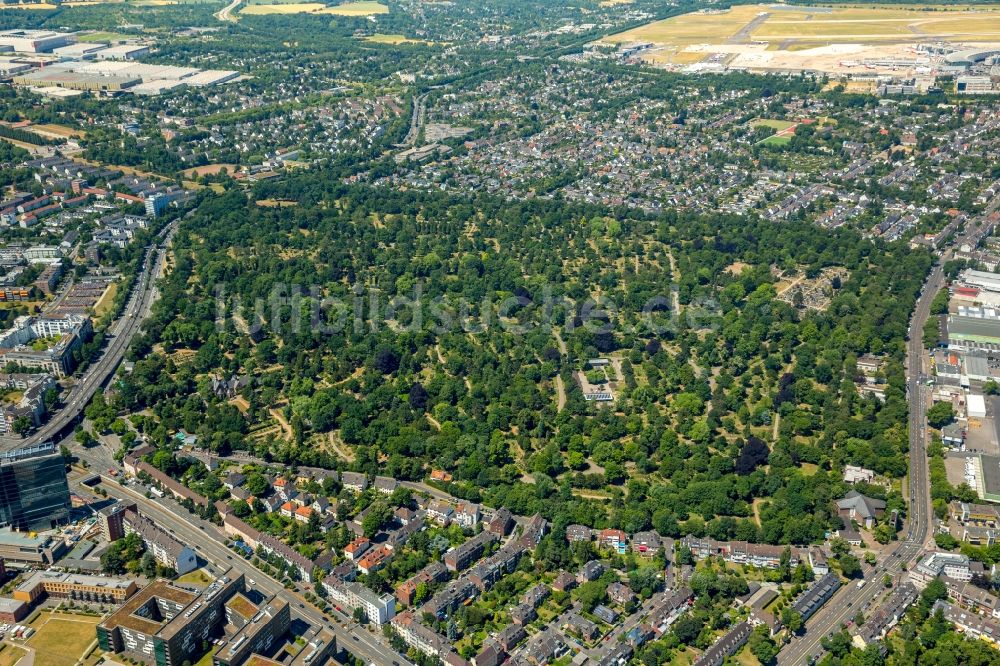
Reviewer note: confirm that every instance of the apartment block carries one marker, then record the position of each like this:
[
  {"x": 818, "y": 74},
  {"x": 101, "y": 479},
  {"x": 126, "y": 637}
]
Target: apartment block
[
  {"x": 165, "y": 625},
  {"x": 259, "y": 628},
  {"x": 167, "y": 550}
]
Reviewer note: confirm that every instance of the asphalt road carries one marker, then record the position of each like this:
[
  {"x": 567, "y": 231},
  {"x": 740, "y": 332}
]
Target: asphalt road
[
  {"x": 850, "y": 599},
  {"x": 120, "y": 335},
  {"x": 207, "y": 540},
  {"x": 227, "y": 13}
]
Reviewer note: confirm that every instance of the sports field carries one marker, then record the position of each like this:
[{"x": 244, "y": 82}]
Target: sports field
[
  {"x": 346, "y": 9},
  {"x": 682, "y": 39},
  {"x": 775, "y": 124}
]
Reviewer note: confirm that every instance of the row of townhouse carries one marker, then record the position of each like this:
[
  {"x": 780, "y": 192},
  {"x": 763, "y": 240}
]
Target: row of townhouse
[
  {"x": 972, "y": 597},
  {"x": 463, "y": 556},
  {"x": 970, "y": 624},
  {"x": 167, "y": 550},
  {"x": 887, "y": 615},
  {"x": 425, "y": 639},
  {"x": 255, "y": 539},
  {"x": 435, "y": 572},
  {"x": 135, "y": 465},
  {"x": 763, "y": 556},
  {"x": 741, "y": 552}
]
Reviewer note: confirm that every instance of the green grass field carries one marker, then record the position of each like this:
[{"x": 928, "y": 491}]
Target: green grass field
[
  {"x": 10, "y": 654},
  {"x": 776, "y": 140},
  {"x": 102, "y": 37},
  {"x": 777, "y": 125},
  {"x": 379, "y": 38},
  {"x": 61, "y": 639},
  {"x": 196, "y": 577}
]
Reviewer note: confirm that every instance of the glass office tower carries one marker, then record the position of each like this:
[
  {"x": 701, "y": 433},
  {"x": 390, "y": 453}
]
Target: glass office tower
[{"x": 34, "y": 493}]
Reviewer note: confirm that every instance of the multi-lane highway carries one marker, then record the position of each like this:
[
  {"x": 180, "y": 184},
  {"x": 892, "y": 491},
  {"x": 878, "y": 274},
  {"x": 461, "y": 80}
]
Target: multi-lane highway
[
  {"x": 228, "y": 13},
  {"x": 851, "y": 598},
  {"x": 120, "y": 335}
]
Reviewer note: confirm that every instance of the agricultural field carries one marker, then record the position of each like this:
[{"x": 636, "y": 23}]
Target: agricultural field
[
  {"x": 379, "y": 38},
  {"x": 56, "y": 131},
  {"x": 283, "y": 8},
  {"x": 765, "y": 33},
  {"x": 276, "y": 203},
  {"x": 208, "y": 170},
  {"x": 346, "y": 9},
  {"x": 357, "y": 9}
]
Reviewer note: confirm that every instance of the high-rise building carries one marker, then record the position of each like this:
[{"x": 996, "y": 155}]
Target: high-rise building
[
  {"x": 34, "y": 494},
  {"x": 156, "y": 204}
]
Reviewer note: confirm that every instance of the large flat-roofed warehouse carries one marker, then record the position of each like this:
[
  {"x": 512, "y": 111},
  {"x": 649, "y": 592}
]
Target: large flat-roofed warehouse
[
  {"x": 974, "y": 332},
  {"x": 122, "y": 52},
  {"x": 211, "y": 77},
  {"x": 79, "y": 50},
  {"x": 8, "y": 67},
  {"x": 166, "y": 625},
  {"x": 33, "y": 41},
  {"x": 51, "y": 78},
  {"x": 988, "y": 472},
  {"x": 134, "y": 69},
  {"x": 157, "y": 87},
  {"x": 981, "y": 279}
]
